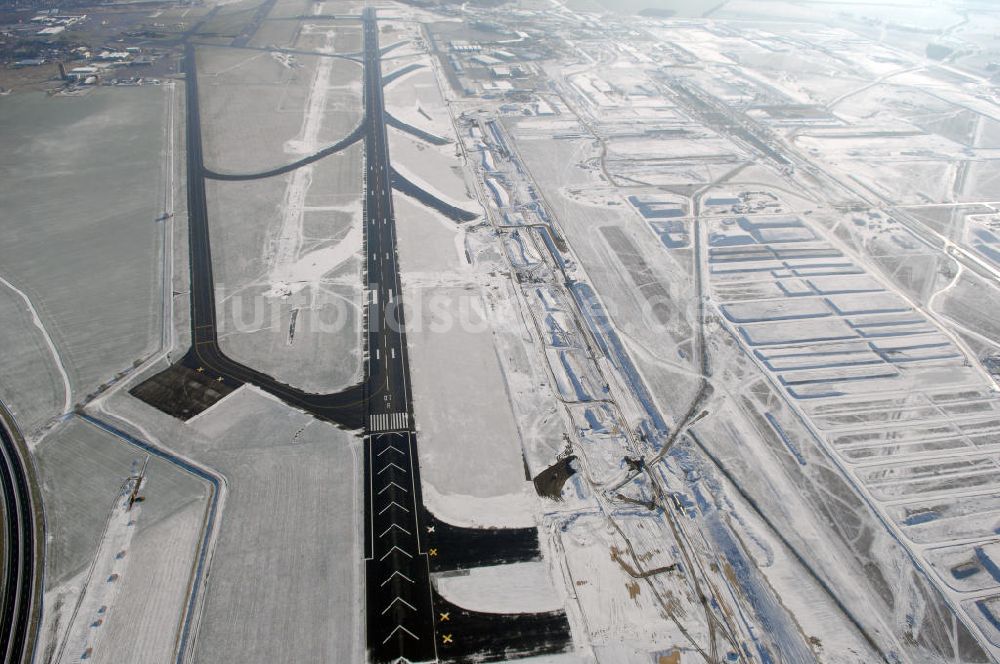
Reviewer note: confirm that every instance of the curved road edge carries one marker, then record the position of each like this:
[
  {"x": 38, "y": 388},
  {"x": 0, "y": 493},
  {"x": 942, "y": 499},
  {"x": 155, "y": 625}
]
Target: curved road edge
[
  {"x": 188, "y": 630},
  {"x": 356, "y": 135},
  {"x": 22, "y": 612}
]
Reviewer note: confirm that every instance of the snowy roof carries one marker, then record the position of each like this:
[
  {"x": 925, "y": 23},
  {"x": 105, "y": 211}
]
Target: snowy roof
[{"x": 486, "y": 60}]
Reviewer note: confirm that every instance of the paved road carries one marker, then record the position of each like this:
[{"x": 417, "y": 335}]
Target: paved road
[
  {"x": 400, "y": 610},
  {"x": 387, "y": 376},
  {"x": 18, "y": 606},
  {"x": 399, "y": 601},
  {"x": 344, "y": 407},
  {"x": 342, "y": 144}
]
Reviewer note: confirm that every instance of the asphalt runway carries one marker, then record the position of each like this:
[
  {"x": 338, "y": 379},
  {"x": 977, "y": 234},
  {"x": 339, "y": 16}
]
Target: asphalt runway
[
  {"x": 399, "y": 604},
  {"x": 344, "y": 408},
  {"x": 387, "y": 375},
  {"x": 399, "y": 544}
]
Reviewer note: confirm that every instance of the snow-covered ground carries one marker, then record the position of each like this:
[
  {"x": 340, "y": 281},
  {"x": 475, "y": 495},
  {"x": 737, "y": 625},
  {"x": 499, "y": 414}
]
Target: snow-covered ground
[
  {"x": 722, "y": 331},
  {"x": 287, "y": 248},
  {"x": 827, "y": 306}
]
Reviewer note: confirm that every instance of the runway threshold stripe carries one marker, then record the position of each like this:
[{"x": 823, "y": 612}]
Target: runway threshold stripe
[{"x": 388, "y": 421}]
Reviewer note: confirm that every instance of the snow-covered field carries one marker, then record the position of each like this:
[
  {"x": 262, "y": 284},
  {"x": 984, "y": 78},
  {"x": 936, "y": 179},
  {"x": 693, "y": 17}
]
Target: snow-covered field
[
  {"x": 890, "y": 392},
  {"x": 722, "y": 329},
  {"x": 114, "y": 576},
  {"x": 70, "y": 247},
  {"x": 287, "y": 247},
  {"x": 817, "y": 312}
]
